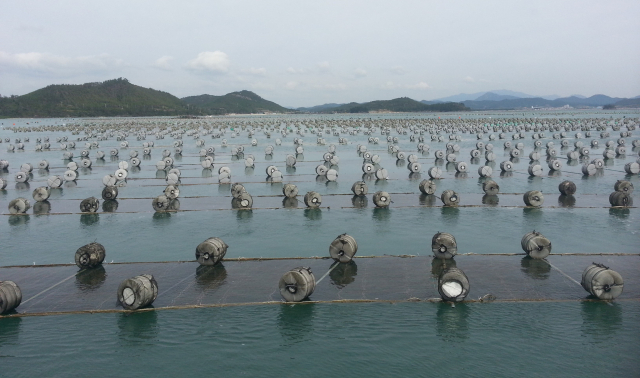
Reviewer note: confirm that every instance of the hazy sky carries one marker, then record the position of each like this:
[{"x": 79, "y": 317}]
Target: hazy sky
[{"x": 302, "y": 53}]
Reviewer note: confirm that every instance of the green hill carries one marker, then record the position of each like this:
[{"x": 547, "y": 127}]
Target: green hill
[
  {"x": 402, "y": 104},
  {"x": 115, "y": 97},
  {"x": 243, "y": 102}
]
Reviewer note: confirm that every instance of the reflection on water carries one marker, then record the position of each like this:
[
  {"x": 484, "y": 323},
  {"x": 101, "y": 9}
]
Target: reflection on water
[
  {"x": 43, "y": 207},
  {"x": 89, "y": 219},
  {"x": 451, "y": 322},
  {"x": 161, "y": 174},
  {"x": 450, "y": 214},
  {"x": 244, "y": 215},
  {"x": 415, "y": 176},
  {"x": 601, "y": 319},
  {"x": 439, "y": 265},
  {"x": 110, "y": 206},
  {"x": 506, "y": 174},
  {"x": 138, "y": 327},
  {"x": 248, "y": 171},
  {"x": 206, "y": 173},
  {"x": 381, "y": 184},
  {"x": 619, "y": 212},
  {"x": 313, "y": 214},
  {"x": 535, "y": 268},
  {"x": 209, "y": 277},
  {"x": 381, "y": 214},
  {"x": 295, "y": 322},
  {"x": 359, "y": 201},
  {"x": 532, "y": 215},
  {"x": 224, "y": 188},
  {"x": 161, "y": 217},
  {"x": 291, "y": 170},
  {"x": 18, "y": 219},
  {"x": 24, "y": 186},
  {"x": 566, "y": 200},
  {"x": 344, "y": 274},
  {"x": 427, "y": 199},
  {"x": 289, "y": 203},
  {"x": 91, "y": 279},
  {"x": 491, "y": 200},
  {"x": 9, "y": 331}
]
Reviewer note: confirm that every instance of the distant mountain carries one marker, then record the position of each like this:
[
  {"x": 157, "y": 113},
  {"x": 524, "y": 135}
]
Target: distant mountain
[
  {"x": 474, "y": 96},
  {"x": 115, "y": 97},
  {"x": 593, "y": 101},
  {"x": 628, "y": 103},
  {"x": 490, "y": 96},
  {"x": 319, "y": 108},
  {"x": 243, "y": 102},
  {"x": 402, "y": 104}
]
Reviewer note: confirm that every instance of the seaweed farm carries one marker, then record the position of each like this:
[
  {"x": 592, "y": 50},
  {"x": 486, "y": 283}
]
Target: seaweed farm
[{"x": 266, "y": 244}]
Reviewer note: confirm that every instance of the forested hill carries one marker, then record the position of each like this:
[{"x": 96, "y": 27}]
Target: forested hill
[
  {"x": 243, "y": 102},
  {"x": 402, "y": 104},
  {"x": 115, "y": 97}
]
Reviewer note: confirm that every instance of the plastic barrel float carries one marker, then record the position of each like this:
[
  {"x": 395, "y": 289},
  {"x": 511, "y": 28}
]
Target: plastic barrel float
[
  {"x": 602, "y": 282},
  {"x": 137, "y": 292},
  {"x": 297, "y": 284}
]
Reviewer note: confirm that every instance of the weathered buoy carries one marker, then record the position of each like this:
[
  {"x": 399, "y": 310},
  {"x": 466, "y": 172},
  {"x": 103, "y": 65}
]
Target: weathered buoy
[
  {"x": 290, "y": 190},
  {"x": 89, "y": 205},
  {"x": 535, "y": 170},
  {"x": 533, "y": 198},
  {"x": 427, "y": 187},
  {"x": 485, "y": 171},
  {"x": 381, "y": 199},
  {"x": 41, "y": 193},
  {"x": 623, "y": 186},
  {"x": 70, "y": 175},
  {"x": 359, "y": 188},
  {"x": 435, "y": 172},
  {"x": 312, "y": 199},
  {"x": 491, "y": 187},
  {"x": 602, "y": 282},
  {"x": 444, "y": 245},
  {"x": 297, "y": 284},
  {"x": 343, "y": 248},
  {"x": 243, "y": 201},
  {"x": 90, "y": 255},
  {"x": 55, "y": 181},
  {"x": 632, "y": 168},
  {"x": 567, "y": 188},
  {"x": 623, "y": 199},
  {"x": 536, "y": 245},
  {"x": 506, "y": 166},
  {"x": 211, "y": 251},
  {"x": 137, "y": 292},
  {"x": 453, "y": 285},
  {"x": 555, "y": 165},
  {"x": 22, "y": 176},
  {"x": 450, "y": 198},
  {"x": 172, "y": 192},
  {"x": 19, "y": 205},
  {"x": 10, "y": 296},
  {"x": 109, "y": 193}
]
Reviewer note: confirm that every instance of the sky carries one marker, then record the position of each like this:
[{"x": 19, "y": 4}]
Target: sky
[{"x": 303, "y": 53}]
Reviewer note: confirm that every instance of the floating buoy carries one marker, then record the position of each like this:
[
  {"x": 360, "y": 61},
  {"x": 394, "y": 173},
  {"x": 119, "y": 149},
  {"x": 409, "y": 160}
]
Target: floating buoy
[
  {"x": 290, "y": 190},
  {"x": 312, "y": 199},
  {"x": 382, "y": 174},
  {"x": 359, "y": 188},
  {"x": 632, "y": 168},
  {"x": 381, "y": 199},
  {"x": 211, "y": 251},
  {"x": 3, "y": 183},
  {"x": 589, "y": 169},
  {"x": 623, "y": 199},
  {"x": 453, "y": 285},
  {"x": 43, "y": 164},
  {"x": 237, "y": 189},
  {"x": 343, "y": 248},
  {"x": 623, "y": 186},
  {"x": 427, "y": 187},
  {"x": 10, "y": 296},
  {"x": 533, "y": 198},
  {"x": 297, "y": 284},
  {"x": 243, "y": 201},
  {"x": 137, "y": 292},
  {"x": 70, "y": 175},
  {"x": 172, "y": 192},
  {"x": 19, "y": 205},
  {"x": 602, "y": 282},
  {"x": 89, "y": 205},
  {"x": 450, "y": 198},
  {"x": 22, "y": 176},
  {"x": 490, "y": 187},
  {"x": 567, "y": 188},
  {"x": 555, "y": 165},
  {"x": 435, "y": 172},
  {"x": 41, "y": 193},
  {"x": 535, "y": 170},
  {"x": 109, "y": 193},
  {"x": 55, "y": 181},
  {"x": 485, "y": 171},
  {"x": 506, "y": 166},
  {"x": 90, "y": 255},
  {"x": 444, "y": 245},
  {"x": 536, "y": 245}
]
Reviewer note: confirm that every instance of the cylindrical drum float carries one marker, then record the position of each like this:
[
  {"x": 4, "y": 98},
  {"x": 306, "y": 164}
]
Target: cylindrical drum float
[
  {"x": 312, "y": 199},
  {"x": 444, "y": 245},
  {"x": 19, "y": 205},
  {"x": 567, "y": 188},
  {"x": 90, "y": 255},
  {"x": 360, "y": 188},
  {"x": 533, "y": 198},
  {"x": 297, "y": 284},
  {"x": 427, "y": 187},
  {"x": 536, "y": 245},
  {"x": 211, "y": 251},
  {"x": 41, "y": 193},
  {"x": 491, "y": 187},
  {"x": 109, "y": 193},
  {"x": 10, "y": 296},
  {"x": 89, "y": 205},
  {"x": 453, "y": 285},
  {"x": 381, "y": 199},
  {"x": 450, "y": 198},
  {"x": 602, "y": 282},
  {"x": 343, "y": 248},
  {"x": 290, "y": 190},
  {"x": 137, "y": 292}
]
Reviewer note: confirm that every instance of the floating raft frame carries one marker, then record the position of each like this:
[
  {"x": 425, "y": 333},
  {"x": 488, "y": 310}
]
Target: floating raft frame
[{"x": 63, "y": 289}]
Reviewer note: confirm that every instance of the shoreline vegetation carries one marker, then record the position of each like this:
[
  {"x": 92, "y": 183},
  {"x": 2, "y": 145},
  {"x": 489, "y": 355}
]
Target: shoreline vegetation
[{"x": 120, "y": 98}]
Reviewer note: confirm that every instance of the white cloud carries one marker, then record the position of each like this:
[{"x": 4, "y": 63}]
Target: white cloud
[
  {"x": 360, "y": 72},
  {"x": 214, "y": 61},
  {"x": 36, "y": 61},
  {"x": 389, "y": 85},
  {"x": 469, "y": 79},
  {"x": 163, "y": 62},
  {"x": 324, "y": 66},
  {"x": 398, "y": 70},
  {"x": 291, "y": 85},
  {"x": 420, "y": 85},
  {"x": 255, "y": 71},
  {"x": 333, "y": 87},
  {"x": 292, "y": 70}
]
